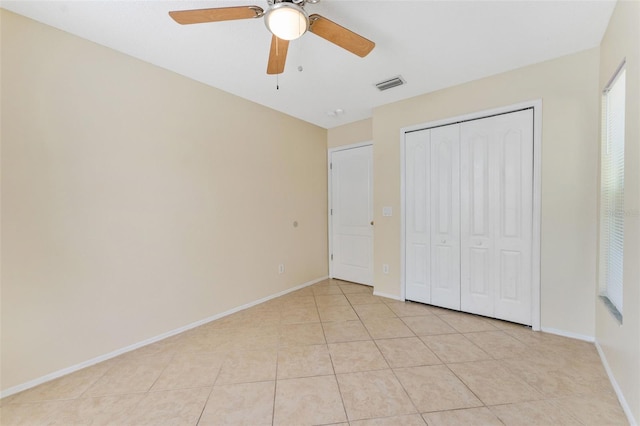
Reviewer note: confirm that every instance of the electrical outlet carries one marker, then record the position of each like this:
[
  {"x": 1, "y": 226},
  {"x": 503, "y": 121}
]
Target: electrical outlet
[
  {"x": 281, "y": 268},
  {"x": 385, "y": 268}
]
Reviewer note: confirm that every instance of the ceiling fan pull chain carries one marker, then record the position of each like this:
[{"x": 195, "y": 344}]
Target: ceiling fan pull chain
[{"x": 278, "y": 57}]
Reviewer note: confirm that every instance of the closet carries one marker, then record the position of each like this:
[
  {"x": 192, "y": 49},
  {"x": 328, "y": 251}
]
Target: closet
[{"x": 468, "y": 191}]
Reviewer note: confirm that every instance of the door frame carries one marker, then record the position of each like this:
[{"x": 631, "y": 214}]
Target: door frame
[
  {"x": 536, "y": 104},
  {"x": 330, "y": 152}
]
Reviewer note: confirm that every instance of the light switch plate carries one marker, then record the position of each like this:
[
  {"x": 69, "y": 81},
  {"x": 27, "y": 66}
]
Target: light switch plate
[{"x": 387, "y": 211}]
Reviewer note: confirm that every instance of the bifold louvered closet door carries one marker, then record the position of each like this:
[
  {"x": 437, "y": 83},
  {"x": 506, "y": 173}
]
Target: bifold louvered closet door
[{"x": 468, "y": 216}]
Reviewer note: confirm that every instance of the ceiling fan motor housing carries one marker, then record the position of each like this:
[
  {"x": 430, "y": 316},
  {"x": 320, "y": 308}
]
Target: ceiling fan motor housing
[
  {"x": 287, "y": 20},
  {"x": 298, "y": 2}
]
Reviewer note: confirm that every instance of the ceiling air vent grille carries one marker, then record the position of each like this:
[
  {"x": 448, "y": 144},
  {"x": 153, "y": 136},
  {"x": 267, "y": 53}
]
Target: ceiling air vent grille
[{"x": 391, "y": 82}]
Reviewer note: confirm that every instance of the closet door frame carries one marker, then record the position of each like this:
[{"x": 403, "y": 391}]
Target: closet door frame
[{"x": 537, "y": 170}]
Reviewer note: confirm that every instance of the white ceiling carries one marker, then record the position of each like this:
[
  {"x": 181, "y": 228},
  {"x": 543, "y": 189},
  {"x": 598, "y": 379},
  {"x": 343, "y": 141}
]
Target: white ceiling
[{"x": 432, "y": 44}]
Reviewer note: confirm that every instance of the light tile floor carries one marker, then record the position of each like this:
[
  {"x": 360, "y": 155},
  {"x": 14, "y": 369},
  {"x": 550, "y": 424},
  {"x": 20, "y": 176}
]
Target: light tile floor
[{"x": 333, "y": 353}]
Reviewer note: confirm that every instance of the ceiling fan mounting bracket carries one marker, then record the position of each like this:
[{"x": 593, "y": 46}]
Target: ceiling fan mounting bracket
[
  {"x": 300, "y": 3},
  {"x": 258, "y": 10}
]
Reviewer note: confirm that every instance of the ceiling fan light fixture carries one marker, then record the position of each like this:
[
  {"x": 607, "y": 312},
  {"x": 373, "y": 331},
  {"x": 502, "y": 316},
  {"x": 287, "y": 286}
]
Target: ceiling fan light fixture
[{"x": 286, "y": 21}]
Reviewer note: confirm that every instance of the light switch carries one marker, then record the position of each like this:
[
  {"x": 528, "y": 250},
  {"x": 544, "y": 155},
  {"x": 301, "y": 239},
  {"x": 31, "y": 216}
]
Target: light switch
[{"x": 387, "y": 211}]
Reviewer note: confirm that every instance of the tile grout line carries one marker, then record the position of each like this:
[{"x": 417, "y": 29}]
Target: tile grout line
[
  {"x": 213, "y": 384},
  {"x": 83, "y": 394},
  {"x": 385, "y": 359},
  {"x": 275, "y": 381},
  {"x": 162, "y": 372},
  {"x": 204, "y": 407},
  {"x": 335, "y": 375}
]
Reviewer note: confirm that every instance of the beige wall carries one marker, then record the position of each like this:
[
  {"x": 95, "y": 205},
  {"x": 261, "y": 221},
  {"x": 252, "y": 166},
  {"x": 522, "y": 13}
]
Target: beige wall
[
  {"x": 568, "y": 88},
  {"x": 136, "y": 201},
  {"x": 621, "y": 343},
  {"x": 359, "y": 131}
]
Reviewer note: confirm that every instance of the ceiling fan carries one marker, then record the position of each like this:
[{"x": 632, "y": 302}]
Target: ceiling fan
[{"x": 287, "y": 20}]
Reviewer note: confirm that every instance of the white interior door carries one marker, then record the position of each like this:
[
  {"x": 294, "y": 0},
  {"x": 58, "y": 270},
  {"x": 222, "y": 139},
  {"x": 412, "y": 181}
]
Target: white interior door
[
  {"x": 478, "y": 175},
  {"x": 497, "y": 214},
  {"x": 445, "y": 216},
  {"x": 432, "y": 219},
  {"x": 469, "y": 216},
  {"x": 417, "y": 216},
  {"x": 352, "y": 215}
]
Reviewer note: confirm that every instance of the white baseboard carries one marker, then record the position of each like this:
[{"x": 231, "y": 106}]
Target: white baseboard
[
  {"x": 388, "y": 296},
  {"x": 616, "y": 388},
  {"x": 569, "y": 334},
  {"x": 56, "y": 374}
]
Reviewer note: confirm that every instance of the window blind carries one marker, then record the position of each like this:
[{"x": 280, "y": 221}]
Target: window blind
[{"x": 612, "y": 192}]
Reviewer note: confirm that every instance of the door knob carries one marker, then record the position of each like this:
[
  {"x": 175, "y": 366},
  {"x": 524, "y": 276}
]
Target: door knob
[
  {"x": 371, "y": 223},
  {"x": 443, "y": 241}
]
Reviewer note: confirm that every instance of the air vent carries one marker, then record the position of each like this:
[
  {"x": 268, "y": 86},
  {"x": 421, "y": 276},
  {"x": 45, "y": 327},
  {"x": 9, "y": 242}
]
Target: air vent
[{"x": 392, "y": 82}]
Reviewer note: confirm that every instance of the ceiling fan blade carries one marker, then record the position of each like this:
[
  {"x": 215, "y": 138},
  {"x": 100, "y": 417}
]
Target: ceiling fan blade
[
  {"x": 199, "y": 16},
  {"x": 340, "y": 36},
  {"x": 277, "y": 55}
]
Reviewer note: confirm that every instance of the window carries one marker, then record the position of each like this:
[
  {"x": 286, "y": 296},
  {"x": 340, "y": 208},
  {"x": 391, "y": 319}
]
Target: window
[{"x": 612, "y": 194}]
